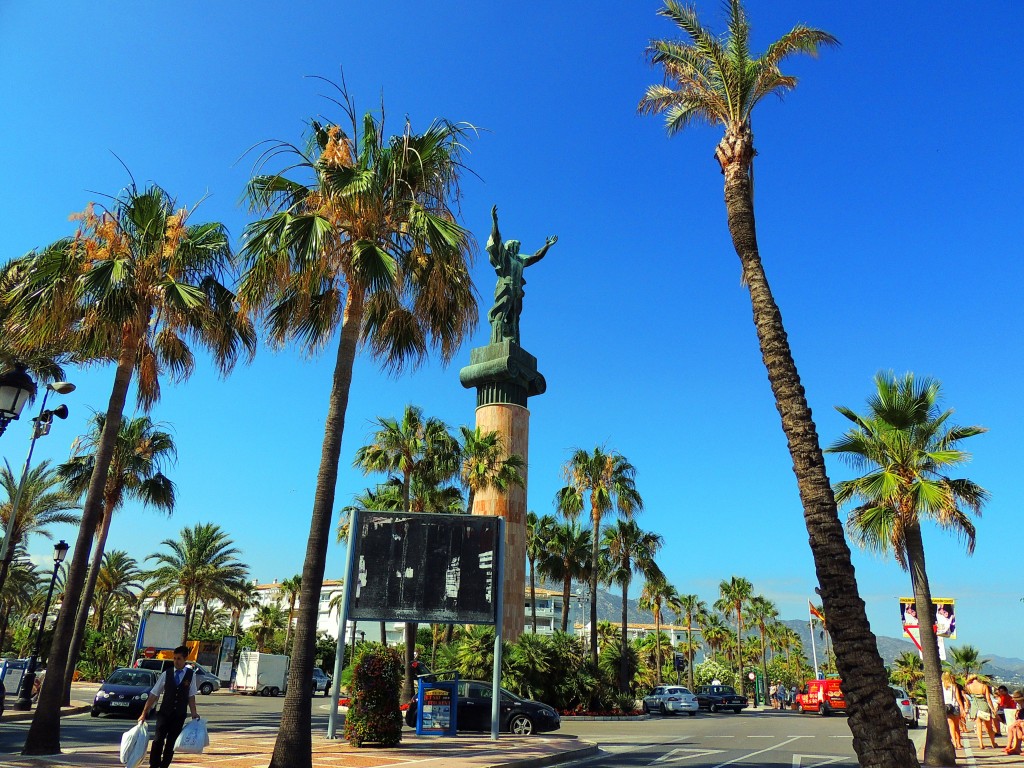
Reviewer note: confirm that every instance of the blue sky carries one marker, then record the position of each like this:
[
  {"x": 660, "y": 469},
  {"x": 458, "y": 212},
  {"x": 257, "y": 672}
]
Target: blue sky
[{"x": 889, "y": 208}]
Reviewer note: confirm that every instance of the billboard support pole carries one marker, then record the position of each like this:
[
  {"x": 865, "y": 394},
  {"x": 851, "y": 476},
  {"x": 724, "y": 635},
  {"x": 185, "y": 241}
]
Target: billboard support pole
[
  {"x": 498, "y": 589},
  {"x": 346, "y": 599}
]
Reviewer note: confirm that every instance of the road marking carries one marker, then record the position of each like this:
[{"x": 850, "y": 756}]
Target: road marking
[
  {"x": 759, "y": 752},
  {"x": 825, "y": 760},
  {"x": 689, "y": 753},
  {"x": 762, "y": 736}
]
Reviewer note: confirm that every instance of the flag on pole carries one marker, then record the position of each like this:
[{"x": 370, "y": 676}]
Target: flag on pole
[{"x": 815, "y": 612}]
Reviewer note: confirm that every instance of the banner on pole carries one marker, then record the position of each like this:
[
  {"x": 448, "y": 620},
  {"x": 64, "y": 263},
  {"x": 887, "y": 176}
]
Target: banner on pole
[{"x": 943, "y": 617}]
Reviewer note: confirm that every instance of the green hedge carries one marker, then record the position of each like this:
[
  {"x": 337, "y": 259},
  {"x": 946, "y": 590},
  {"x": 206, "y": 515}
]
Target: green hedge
[{"x": 373, "y": 715}]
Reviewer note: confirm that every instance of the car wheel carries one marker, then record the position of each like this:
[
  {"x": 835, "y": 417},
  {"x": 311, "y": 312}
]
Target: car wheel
[
  {"x": 645, "y": 708},
  {"x": 737, "y": 710},
  {"x": 823, "y": 710},
  {"x": 274, "y": 692},
  {"x": 94, "y": 713},
  {"x": 691, "y": 714},
  {"x": 206, "y": 689},
  {"x": 712, "y": 707},
  {"x": 520, "y": 725},
  {"x": 664, "y": 710}
]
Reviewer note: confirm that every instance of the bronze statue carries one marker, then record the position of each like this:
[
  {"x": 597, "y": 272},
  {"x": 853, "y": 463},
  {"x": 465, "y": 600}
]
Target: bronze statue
[{"x": 508, "y": 293}]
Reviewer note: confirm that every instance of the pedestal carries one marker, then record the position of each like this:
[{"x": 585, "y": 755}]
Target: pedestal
[{"x": 505, "y": 375}]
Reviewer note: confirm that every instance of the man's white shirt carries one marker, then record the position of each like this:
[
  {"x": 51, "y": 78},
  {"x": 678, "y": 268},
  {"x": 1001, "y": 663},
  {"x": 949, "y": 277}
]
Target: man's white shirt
[{"x": 159, "y": 687}]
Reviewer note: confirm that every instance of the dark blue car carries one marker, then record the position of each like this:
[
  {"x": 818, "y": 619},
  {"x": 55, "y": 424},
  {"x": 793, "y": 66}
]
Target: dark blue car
[{"x": 124, "y": 692}]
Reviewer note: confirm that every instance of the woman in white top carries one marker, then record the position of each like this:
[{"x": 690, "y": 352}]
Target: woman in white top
[{"x": 953, "y": 698}]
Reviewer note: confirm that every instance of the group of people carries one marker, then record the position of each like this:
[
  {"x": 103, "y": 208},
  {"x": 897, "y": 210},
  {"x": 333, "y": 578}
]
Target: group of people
[
  {"x": 990, "y": 709},
  {"x": 780, "y": 696}
]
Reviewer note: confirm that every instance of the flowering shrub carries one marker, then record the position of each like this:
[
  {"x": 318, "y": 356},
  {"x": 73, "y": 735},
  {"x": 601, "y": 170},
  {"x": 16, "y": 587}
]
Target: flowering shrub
[{"x": 373, "y": 713}]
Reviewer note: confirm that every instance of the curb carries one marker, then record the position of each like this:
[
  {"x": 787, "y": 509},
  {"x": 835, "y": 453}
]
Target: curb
[
  {"x": 569, "y": 756},
  {"x": 13, "y": 716},
  {"x": 591, "y": 718}
]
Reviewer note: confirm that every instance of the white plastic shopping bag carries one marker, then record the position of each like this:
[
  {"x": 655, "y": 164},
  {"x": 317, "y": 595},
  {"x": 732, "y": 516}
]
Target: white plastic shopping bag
[
  {"x": 133, "y": 745},
  {"x": 193, "y": 738}
]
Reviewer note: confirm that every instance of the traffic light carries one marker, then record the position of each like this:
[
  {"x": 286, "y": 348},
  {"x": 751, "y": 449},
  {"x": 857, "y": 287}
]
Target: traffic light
[{"x": 679, "y": 662}]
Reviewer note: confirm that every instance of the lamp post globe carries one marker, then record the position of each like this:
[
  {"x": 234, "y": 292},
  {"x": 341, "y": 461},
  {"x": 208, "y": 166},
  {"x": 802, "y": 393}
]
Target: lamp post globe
[
  {"x": 16, "y": 389},
  {"x": 24, "y": 702}
]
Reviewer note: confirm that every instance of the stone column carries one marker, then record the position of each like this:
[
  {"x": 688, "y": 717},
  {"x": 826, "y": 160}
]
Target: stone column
[{"x": 505, "y": 375}]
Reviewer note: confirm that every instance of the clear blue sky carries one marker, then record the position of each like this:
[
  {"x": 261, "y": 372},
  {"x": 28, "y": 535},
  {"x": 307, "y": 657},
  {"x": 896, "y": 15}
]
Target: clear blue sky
[{"x": 889, "y": 208}]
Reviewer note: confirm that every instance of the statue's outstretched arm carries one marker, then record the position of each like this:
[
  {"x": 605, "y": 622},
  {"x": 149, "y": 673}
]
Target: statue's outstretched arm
[
  {"x": 494, "y": 241},
  {"x": 542, "y": 252}
]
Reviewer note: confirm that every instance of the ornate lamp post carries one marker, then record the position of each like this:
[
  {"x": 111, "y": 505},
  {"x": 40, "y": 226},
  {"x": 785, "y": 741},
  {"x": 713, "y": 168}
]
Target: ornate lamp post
[
  {"x": 41, "y": 427},
  {"x": 16, "y": 389},
  {"x": 24, "y": 701}
]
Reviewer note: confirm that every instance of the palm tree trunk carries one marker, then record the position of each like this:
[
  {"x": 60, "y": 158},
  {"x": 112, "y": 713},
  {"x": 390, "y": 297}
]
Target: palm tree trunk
[
  {"x": 657, "y": 645},
  {"x": 83, "y": 608},
  {"x": 624, "y": 659},
  {"x": 44, "y": 733},
  {"x": 689, "y": 652},
  {"x": 5, "y": 622},
  {"x": 879, "y": 735},
  {"x": 189, "y": 610},
  {"x": 764, "y": 663},
  {"x": 288, "y": 626},
  {"x": 938, "y": 745},
  {"x": 5, "y": 564},
  {"x": 410, "y": 627},
  {"x": 595, "y": 555},
  {"x": 293, "y": 748},
  {"x": 740, "y": 680},
  {"x": 566, "y": 594},
  {"x": 533, "y": 595}
]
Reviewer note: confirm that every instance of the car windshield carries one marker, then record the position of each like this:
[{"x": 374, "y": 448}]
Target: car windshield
[{"x": 136, "y": 677}]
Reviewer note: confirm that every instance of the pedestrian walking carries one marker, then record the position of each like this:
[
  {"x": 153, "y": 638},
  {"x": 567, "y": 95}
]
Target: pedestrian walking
[
  {"x": 955, "y": 702},
  {"x": 780, "y": 694},
  {"x": 178, "y": 686},
  {"x": 773, "y": 691},
  {"x": 983, "y": 710}
]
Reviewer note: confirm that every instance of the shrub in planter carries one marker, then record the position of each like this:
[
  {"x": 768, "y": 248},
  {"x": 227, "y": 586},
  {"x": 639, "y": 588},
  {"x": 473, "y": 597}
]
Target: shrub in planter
[{"x": 373, "y": 714}]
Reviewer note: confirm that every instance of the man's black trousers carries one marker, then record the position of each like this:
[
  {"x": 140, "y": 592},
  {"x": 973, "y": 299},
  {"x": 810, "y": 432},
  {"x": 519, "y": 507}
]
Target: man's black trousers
[{"x": 167, "y": 729}]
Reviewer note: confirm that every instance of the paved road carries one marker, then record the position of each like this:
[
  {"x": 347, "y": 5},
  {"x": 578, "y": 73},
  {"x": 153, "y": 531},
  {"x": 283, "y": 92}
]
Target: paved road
[
  {"x": 764, "y": 739},
  {"x": 769, "y": 739}
]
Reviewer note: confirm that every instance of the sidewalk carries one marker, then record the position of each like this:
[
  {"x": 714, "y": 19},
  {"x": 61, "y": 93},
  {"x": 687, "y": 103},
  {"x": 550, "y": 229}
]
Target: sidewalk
[
  {"x": 252, "y": 748},
  {"x": 970, "y": 755},
  {"x": 81, "y": 701}
]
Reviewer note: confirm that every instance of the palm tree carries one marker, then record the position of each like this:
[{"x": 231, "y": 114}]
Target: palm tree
[
  {"x": 242, "y": 598},
  {"x": 415, "y": 449},
  {"x": 198, "y": 566},
  {"x": 762, "y": 612},
  {"x": 538, "y": 535},
  {"x": 44, "y": 502},
  {"x": 966, "y": 660},
  {"x": 23, "y": 582},
  {"x": 268, "y": 621},
  {"x": 692, "y": 608},
  {"x": 714, "y": 79},
  {"x": 907, "y": 670},
  {"x": 628, "y": 550},
  {"x": 734, "y": 596},
  {"x": 290, "y": 588},
  {"x": 119, "y": 580},
  {"x": 566, "y": 557},
  {"x": 141, "y": 451},
  {"x": 819, "y": 614},
  {"x": 657, "y": 594},
  {"x": 713, "y": 631},
  {"x": 484, "y": 464},
  {"x": 134, "y": 284},
  {"x": 905, "y": 446},
  {"x": 608, "y": 481}
]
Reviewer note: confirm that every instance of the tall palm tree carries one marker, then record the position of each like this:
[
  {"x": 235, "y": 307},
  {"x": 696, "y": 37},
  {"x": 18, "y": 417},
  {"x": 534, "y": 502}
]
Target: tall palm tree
[
  {"x": 141, "y": 451},
  {"x": 907, "y": 670},
  {"x": 538, "y": 535},
  {"x": 484, "y": 463},
  {"x": 290, "y": 588},
  {"x": 268, "y": 621},
  {"x": 201, "y": 564},
  {"x": 713, "y": 631},
  {"x": 691, "y": 608},
  {"x": 119, "y": 580},
  {"x": 966, "y": 660},
  {"x": 44, "y": 502},
  {"x": 657, "y": 594},
  {"x": 734, "y": 595},
  {"x": 762, "y": 612},
  {"x": 242, "y": 598},
  {"x": 607, "y": 481},
  {"x": 23, "y": 582},
  {"x": 715, "y": 80},
  {"x": 414, "y": 449},
  {"x": 906, "y": 446},
  {"x": 134, "y": 285},
  {"x": 566, "y": 557},
  {"x": 628, "y": 550}
]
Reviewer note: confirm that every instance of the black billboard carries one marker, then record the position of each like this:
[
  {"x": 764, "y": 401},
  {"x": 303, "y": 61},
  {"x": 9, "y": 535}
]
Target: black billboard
[{"x": 424, "y": 568}]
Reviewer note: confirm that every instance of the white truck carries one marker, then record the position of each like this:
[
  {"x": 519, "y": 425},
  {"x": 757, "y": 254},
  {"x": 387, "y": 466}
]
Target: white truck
[{"x": 262, "y": 673}]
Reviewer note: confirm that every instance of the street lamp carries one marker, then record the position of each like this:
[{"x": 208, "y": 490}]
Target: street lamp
[
  {"x": 24, "y": 701},
  {"x": 16, "y": 389},
  {"x": 40, "y": 427}
]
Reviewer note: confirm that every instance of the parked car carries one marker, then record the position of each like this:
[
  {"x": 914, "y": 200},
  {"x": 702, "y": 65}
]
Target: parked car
[
  {"x": 473, "y": 711},
  {"x": 124, "y": 692},
  {"x": 717, "y": 697},
  {"x": 3, "y": 695},
  {"x": 670, "y": 699},
  {"x": 907, "y": 706},
  {"x": 206, "y": 681},
  {"x": 321, "y": 682}
]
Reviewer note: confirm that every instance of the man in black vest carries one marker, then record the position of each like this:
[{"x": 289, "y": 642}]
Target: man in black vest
[{"x": 178, "y": 685}]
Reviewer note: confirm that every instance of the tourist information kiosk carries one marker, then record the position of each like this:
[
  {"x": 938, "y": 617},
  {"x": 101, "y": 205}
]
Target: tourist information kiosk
[{"x": 437, "y": 707}]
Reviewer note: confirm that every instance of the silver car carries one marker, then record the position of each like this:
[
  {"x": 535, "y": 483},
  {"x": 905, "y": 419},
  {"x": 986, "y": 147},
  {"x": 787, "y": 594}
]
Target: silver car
[
  {"x": 907, "y": 706},
  {"x": 670, "y": 700}
]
